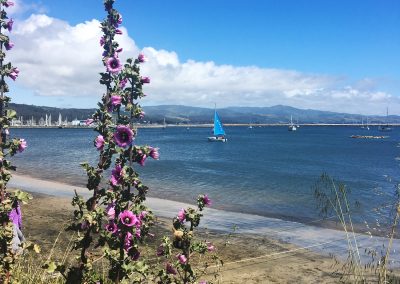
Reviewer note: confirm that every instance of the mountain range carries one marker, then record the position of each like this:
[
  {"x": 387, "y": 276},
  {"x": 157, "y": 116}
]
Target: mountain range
[{"x": 192, "y": 115}]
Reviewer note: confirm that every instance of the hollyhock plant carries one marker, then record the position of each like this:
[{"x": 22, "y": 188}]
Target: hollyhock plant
[
  {"x": 182, "y": 258},
  {"x": 142, "y": 58},
  {"x": 123, "y": 136},
  {"x": 10, "y": 25},
  {"x": 145, "y": 80},
  {"x": 116, "y": 175},
  {"x": 22, "y": 145},
  {"x": 111, "y": 227},
  {"x": 99, "y": 142},
  {"x": 8, "y": 4},
  {"x": 14, "y": 73},
  {"x": 181, "y": 215},
  {"x": 128, "y": 218},
  {"x": 116, "y": 100},
  {"x": 9, "y": 45},
  {"x": 154, "y": 153},
  {"x": 114, "y": 65}
]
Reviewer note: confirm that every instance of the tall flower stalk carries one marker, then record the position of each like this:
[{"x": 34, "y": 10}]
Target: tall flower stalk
[
  {"x": 10, "y": 211},
  {"x": 114, "y": 217}
]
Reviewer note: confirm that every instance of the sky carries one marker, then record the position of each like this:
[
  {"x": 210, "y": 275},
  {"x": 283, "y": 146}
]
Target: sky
[{"x": 336, "y": 55}]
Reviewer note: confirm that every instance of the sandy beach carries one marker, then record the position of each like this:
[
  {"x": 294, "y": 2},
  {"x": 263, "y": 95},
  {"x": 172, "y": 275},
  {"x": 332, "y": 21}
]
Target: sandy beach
[
  {"x": 260, "y": 250},
  {"x": 45, "y": 218}
]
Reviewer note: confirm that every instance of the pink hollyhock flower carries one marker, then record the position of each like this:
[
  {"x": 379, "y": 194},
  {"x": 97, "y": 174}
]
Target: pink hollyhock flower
[
  {"x": 116, "y": 100},
  {"x": 119, "y": 50},
  {"x": 102, "y": 41},
  {"x": 142, "y": 58},
  {"x": 138, "y": 233},
  {"x": 22, "y": 145},
  {"x": 142, "y": 215},
  {"x": 15, "y": 216},
  {"x": 128, "y": 242},
  {"x": 84, "y": 225},
  {"x": 10, "y": 25},
  {"x": 119, "y": 21},
  {"x": 123, "y": 136},
  {"x": 111, "y": 227},
  {"x": 99, "y": 142},
  {"x": 182, "y": 258},
  {"x": 89, "y": 121},
  {"x": 118, "y": 32},
  {"x": 134, "y": 254},
  {"x": 142, "y": 160},
  {"x": 116, "y": 175},
  {"x": 142, "y": 114},
  {"x": 170, "y": 269},
  {"x": 207, "y": 200},
  {"x": 123, "y": 83},
  {"x": 181, "y": 215},
  {"x": 145, "y": 80},
  {"x": 110, "y": 210},
  {"x": 9, "y": 45},
  {"x": 8, "y": 4},
  {"x": 128, "y": 218},
  {"x": 154, "y": 153},
  {"x": 113, "y": 65},
  {"x": 210, "y": 247},
  {"x": 14, "y": 73}
]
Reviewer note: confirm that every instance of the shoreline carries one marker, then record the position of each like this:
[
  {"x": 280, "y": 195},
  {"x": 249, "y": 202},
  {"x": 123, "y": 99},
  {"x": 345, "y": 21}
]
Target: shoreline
[
  {"x": 321, "y": 240},
  {"x": 208, "y": 125}
]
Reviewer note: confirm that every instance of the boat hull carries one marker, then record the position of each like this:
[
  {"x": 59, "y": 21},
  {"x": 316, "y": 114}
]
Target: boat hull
[{"x": 217, "y": 139}]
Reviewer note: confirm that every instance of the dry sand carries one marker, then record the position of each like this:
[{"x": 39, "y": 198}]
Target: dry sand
[{"x": 46, "y": 216}]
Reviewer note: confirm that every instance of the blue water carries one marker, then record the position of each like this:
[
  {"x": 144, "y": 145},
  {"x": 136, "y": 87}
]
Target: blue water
[{"x": 267, "y": 171}]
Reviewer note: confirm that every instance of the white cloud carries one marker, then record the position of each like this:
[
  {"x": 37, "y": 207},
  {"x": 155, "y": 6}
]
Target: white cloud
[{"x": 57, "y": 59}]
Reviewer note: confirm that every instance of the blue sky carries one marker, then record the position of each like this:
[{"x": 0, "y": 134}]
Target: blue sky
[{"x": 353, "y": 43}]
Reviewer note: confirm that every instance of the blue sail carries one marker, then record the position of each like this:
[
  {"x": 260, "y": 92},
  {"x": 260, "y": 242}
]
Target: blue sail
[{"x": 218, "y": 129}]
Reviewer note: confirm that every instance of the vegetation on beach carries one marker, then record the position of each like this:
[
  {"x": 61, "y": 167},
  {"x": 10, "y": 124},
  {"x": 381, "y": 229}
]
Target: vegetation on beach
[{"x": 10, "y": 215}]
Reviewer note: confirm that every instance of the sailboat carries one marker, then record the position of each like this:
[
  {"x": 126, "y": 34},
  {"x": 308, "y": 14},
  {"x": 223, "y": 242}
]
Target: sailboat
[
  {"x": 385, "y": 128},
  {"x": 219, "y": 132},
  {"x": 292, "y": 127},
  {"x": 164, "y": 124},
  {"x": 60, "y": 121}
]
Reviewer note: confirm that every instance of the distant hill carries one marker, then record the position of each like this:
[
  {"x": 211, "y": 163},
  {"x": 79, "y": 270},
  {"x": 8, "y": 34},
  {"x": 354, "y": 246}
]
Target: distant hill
[{"x": 188, "y": 114}]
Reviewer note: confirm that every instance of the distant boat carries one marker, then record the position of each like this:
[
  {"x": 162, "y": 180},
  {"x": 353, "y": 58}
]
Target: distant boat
[
  {"x": 364, "y": 126},
  {"x": 164, "y": 124},
  {"x": 218, "y": 130},
  {"x": 60, "y": 121},
  {"x": 292, "y": 127},
  {"x": 385, "y": 128}
]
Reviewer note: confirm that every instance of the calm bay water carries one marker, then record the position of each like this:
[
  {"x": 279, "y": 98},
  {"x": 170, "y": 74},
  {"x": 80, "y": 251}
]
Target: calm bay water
[{"x": 267, "y": 171}]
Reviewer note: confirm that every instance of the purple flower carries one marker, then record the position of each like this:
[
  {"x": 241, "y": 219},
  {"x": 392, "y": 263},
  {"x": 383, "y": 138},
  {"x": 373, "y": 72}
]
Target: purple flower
[
  {"x": 116, "y": 175},
  {"x": 134, "y": 254},
  {"x": 99, "y": 142},
  {"x": 128, "y": 242},
  {"x": 118, "y": 50},
  {"x": 8, "y": 4},
  {"x": 9, "y": 45},
  {"x": 170, "y": 269},
  {"x": 142, "y": 159},
  {"x": 142, "y": 215},
  {"x": 15, "y": 216},
  {"x": 14, "y": 73},
  {"x": 116, "y": 100},
  {"x": 123, "y": 83},
  {"x": 181, "y": 215},
  {"x": 210, "y": 247},
  {"x": 207, "y": 200},
  {"x": 89, "y": 121},
  {"x": 110, "y": 210},
  {"x": 154, "y": 153},
  {"x": 141, "y": 114},
  {"x": 182, "y": 258},
  {"x": 102, "y": 41},
  {"x": 85, "y": 225},
  {"x": 142, "y": 58},
  {"x": 111, "y": 227},
  {"x": 10, "y": 25},
  {"x": 22, "y": 145},
  {"x": 118, "y": 32},
  {"x": 138, "y": 233},
  {"x": 123, "y": 136},
  {"x": 119, "y": 21},
  {"x": 113, "y": 65},
  {"x": 145, "y": 80},
  {"x": 128, "y": 218}
]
